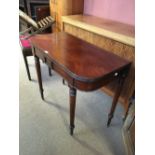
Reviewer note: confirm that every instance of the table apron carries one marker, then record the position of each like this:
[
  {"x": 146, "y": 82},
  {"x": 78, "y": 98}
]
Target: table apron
[{"x": 83, "y": 85}]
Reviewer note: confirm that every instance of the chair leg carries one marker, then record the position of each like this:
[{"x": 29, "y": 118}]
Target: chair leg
[
  {"x": 50, "y": 71},
  {"x": 38, "y": 70},
  {"x": 27, "y": 67}
]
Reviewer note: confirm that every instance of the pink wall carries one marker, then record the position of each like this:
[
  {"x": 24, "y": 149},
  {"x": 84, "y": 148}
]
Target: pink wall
[{"x": 118, "y": 10}]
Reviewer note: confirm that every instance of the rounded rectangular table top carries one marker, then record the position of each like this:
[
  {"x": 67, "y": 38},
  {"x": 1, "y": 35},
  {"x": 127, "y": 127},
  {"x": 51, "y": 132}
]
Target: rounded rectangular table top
[{"x": 77, "y": 57}]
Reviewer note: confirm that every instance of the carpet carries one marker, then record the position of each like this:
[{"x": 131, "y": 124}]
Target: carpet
[{"x": 44, "y": 125}]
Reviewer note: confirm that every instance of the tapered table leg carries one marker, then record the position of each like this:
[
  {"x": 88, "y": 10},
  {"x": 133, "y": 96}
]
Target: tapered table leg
[
  {"x": 72, "y": 94},
  {"x": 115, "y": 99},
  {"x": 38, "y": 70}
]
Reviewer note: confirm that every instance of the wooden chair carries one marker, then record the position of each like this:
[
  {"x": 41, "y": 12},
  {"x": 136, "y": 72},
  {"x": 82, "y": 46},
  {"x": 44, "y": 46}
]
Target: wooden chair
[
  {"x": 35, "y": 27},
  {"x": 26, "y": 52}
]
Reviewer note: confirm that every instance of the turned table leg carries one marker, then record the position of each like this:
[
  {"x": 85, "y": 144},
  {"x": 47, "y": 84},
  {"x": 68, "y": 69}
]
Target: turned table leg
[
  {"x": 38, "y": 70},
  {"x": 72, "y": 93},
  {"x": 115, "y": 99}
]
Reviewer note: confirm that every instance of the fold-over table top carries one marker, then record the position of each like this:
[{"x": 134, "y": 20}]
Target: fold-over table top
[{"x": 77, "y": 57}]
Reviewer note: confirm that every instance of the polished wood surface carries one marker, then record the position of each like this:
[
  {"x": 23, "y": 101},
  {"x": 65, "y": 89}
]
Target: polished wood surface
[
  {"x": 119, "y": 48},
  {"x": 82, "y": 65},
  {"x": 81, "y": 60},
  {"x": 104, "y": 27}
]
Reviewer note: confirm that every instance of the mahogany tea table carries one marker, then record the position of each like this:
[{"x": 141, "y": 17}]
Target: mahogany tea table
[{"x": 84, "y": 66}]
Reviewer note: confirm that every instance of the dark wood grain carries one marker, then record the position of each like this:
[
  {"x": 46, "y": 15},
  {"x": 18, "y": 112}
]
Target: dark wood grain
[
  {"x": 100, "y": 40},
  {"x": 82, "y": 61},
  {"x": 84, "y": 66}
]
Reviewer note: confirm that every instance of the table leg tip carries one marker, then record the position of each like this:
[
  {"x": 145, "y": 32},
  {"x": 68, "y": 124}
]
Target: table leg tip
[
  {"x": 63, "y": 81},
  {"x": 71, "y": 133},
  {"x": 108, "y": 124},
  {"x": 42, "y": 97},
  {"x": 123, "y": 119},
  {"x": 71, "y": 130},
  {"x": 109, "y": 119},
  {"x": 42, "y": 94}
]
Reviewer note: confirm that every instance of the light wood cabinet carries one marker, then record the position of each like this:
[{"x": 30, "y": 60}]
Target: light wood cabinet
[{"x": 60, "y": 8}]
